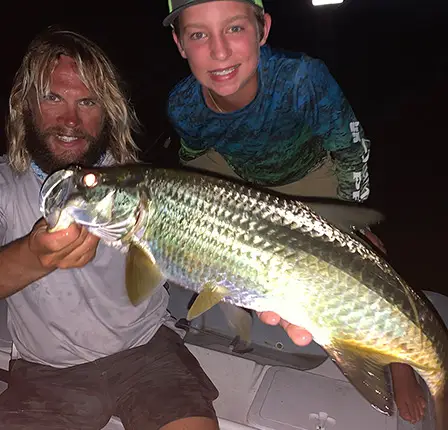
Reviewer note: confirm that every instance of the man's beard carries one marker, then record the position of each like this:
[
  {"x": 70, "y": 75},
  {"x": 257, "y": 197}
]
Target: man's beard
[{"x": 38, "y": 148}]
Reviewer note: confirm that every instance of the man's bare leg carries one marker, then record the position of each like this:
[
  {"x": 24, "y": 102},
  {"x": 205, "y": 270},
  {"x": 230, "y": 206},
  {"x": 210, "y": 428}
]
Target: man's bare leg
[
  {"x": 192, "y": 423},
  {"x": 409, "y": 395}
]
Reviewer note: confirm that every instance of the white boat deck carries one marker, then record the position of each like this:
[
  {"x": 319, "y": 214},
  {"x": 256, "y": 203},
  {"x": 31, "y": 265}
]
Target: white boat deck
[{"x": 269, "y": 396}]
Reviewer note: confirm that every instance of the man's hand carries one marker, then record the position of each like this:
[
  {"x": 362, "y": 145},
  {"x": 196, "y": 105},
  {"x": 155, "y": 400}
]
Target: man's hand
[
  {"x": 298, "y": 335},
  {"x": 65, "y": 249}
]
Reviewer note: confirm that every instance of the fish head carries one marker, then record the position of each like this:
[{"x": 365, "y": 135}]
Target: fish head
[{"x": 104, "y": 200}]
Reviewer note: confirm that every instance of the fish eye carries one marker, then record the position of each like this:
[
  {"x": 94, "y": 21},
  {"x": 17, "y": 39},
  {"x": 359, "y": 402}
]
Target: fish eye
[{"x": 89, "y": 180}]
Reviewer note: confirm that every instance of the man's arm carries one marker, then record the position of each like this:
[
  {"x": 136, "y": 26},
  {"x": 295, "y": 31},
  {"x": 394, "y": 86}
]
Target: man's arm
[
  {"x": 19, "y": 267},
  {"x": 39, "y": 253}
]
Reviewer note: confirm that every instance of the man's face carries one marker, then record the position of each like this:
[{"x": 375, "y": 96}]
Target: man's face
[
  {"x": 66, "y": 125},
  {"x": 221, "y": 42}
]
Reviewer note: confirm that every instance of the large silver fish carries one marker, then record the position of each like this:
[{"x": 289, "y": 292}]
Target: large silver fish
[{"x": 266, "y": 252}]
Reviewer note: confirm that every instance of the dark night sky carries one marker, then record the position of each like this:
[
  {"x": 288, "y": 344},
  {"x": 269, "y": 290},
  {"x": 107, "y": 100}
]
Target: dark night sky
[{"x": 389, "y": 58}]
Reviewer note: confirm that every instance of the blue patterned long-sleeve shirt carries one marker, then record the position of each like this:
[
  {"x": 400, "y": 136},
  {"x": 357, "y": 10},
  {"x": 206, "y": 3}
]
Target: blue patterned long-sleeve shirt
[{"x": 298, "y": 117}]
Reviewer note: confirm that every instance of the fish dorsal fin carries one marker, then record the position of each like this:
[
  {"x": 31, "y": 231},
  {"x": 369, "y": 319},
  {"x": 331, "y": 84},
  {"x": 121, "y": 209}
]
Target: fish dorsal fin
[
  {"x": 346, "y": 217},
  {"x": 142, "y": 274},
  {"x": 211, "y": 294},
  {"x": 367, "y": 371}
]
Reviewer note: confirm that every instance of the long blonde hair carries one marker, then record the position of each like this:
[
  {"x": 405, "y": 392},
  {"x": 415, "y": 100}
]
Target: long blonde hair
[{"x": 97, "y": 73}]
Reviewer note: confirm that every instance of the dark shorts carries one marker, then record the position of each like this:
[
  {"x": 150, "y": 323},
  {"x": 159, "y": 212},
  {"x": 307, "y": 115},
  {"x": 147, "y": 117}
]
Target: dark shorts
[{"x": 146, "y": 387}]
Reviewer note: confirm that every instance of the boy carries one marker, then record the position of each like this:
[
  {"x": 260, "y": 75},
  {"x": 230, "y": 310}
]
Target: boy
[{"x": 275, "y": 120}]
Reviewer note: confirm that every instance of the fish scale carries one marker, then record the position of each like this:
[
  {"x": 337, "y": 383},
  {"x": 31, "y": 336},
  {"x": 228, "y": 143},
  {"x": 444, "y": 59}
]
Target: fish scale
[
  {"x": 328, "y": 258},
  {"x": 266, "y": 252}
]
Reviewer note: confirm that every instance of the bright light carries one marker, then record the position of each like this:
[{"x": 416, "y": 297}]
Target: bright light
[{"x": 325, "y": 2}]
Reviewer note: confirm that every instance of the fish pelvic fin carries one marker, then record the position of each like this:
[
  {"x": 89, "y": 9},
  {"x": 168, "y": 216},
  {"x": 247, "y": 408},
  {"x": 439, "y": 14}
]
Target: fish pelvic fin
[
  {"x": 368, "y": 372},
  {"x": 142, "y": 274},
  {"x": 211, "y": 294},
  {"x": 239, "y": 320}
]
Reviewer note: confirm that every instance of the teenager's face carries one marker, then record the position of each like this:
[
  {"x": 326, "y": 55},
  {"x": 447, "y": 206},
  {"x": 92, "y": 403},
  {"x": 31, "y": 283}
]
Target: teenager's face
[{"x": 221, "y": 41}]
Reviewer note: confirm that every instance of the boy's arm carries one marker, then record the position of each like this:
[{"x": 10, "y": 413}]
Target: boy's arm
[
  {"x": 352, "y": 171},
  {"x": 343, "y": 136},
  {"x": 190, "y": 148},
  {"x": 188, "y": 153}
]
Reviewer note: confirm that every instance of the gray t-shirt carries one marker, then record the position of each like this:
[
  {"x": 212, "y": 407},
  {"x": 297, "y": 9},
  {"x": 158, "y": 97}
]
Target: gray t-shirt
[{"x": 71, "y": 316}]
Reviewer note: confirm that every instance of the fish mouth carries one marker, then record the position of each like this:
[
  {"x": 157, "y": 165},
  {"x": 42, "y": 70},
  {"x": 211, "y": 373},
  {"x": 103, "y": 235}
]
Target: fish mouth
[
  {"x": 62, "y": 202},
  {"x": 53, "y": 197}
]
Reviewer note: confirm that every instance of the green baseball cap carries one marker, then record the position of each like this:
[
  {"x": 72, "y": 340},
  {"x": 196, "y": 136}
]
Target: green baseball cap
[{"x": 177, "y": 6}]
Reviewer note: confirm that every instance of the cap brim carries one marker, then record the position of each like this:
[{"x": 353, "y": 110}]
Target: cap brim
[{"x": 173, "y": 15}]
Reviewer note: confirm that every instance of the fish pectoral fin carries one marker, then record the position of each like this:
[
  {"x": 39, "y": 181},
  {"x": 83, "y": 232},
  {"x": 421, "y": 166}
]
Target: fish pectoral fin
[
  {"x": 142, "y": 274},
  {"x": 239, "y": 319},
  {"x": 367, "y": 371},
  {"x": 210, "y": 295}
]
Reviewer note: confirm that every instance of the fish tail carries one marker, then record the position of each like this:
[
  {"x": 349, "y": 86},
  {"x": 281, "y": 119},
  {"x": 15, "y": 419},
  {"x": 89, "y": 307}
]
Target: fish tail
[{"x": 441, "y": 406}]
